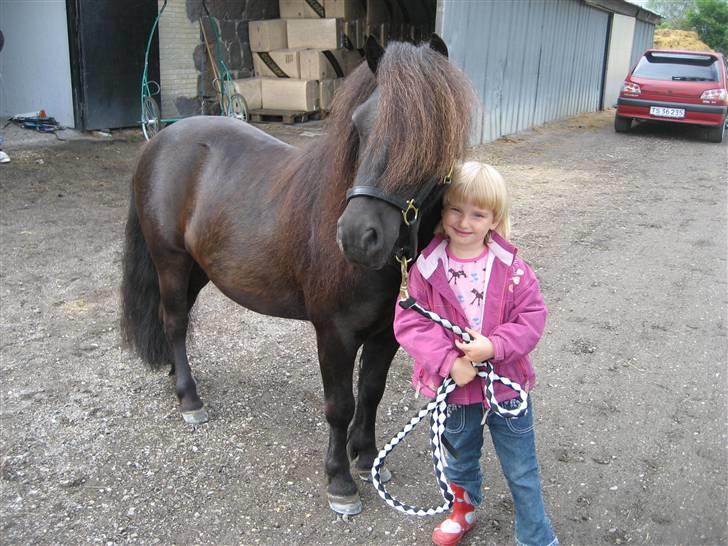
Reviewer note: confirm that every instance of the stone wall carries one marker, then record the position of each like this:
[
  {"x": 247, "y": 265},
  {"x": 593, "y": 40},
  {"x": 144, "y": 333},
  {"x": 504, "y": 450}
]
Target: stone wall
[{"x": 185, "y": 68}]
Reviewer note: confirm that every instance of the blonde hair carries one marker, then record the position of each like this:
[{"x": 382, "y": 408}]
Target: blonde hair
[{"x": 481, "y": 185}]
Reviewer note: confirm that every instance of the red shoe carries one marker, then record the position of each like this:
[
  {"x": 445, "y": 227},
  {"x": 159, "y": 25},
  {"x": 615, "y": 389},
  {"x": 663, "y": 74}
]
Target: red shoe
[{"x": 460, "y": 521}]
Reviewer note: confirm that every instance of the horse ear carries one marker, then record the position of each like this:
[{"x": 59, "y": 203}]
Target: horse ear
[
  {"x": 438, "y": 45},
  {"x": 374, "y": 53}
]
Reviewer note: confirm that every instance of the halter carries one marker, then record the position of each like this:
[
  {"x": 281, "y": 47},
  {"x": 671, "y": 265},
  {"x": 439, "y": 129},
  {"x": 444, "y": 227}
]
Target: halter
[{"x": 410, "y": 209}]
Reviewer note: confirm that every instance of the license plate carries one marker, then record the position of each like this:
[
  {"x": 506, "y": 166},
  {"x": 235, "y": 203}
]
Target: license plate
[{"x": 667, "y": 112}]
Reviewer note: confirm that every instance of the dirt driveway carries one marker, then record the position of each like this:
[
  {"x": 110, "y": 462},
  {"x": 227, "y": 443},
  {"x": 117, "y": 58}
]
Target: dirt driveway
[{"x": 628, "y": 236}]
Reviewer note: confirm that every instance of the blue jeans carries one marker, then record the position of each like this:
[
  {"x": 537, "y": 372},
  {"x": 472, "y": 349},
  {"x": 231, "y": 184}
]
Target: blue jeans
[{"x": 515, "y": 446}]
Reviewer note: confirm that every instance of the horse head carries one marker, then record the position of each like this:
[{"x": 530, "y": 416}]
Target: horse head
[{"x": 411, "y": 129}]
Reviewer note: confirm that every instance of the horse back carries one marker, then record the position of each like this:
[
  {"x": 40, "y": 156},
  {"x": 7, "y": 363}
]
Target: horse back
[{"x": 204, "y": 187}]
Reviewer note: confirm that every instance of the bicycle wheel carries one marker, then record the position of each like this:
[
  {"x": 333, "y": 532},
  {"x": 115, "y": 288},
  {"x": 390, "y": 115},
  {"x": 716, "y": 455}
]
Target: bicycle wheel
[
  {"x": 151, "y": 118},
  {"x": 234, "y": 106}
]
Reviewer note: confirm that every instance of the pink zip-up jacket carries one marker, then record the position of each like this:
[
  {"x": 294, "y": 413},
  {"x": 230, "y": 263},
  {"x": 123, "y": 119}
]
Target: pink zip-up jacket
[{"x": 513, "y": 319}]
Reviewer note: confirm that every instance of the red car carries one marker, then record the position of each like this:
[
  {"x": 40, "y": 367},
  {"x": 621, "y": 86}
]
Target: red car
[{"x": 678, "y": 87}]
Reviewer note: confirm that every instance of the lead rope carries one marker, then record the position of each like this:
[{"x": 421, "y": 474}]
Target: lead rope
[{"x": 438, "y": 409}]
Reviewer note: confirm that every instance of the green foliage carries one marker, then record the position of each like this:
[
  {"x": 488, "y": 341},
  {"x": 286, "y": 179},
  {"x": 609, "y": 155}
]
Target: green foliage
[{"x": 710, "y": 19}]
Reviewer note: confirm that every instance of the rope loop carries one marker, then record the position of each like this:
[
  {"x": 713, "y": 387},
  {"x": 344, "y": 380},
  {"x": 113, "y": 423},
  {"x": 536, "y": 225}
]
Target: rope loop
[{"x": 438, "y": 410}]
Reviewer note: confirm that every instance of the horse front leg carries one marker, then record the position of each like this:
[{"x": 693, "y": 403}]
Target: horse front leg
[
  {"x": 377, "y": 354},
  {"x": 336, "y": 360}
]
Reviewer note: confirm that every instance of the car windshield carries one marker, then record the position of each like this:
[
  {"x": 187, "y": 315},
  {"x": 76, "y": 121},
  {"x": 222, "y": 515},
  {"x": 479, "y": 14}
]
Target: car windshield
[{"x": 677, "y": 67}]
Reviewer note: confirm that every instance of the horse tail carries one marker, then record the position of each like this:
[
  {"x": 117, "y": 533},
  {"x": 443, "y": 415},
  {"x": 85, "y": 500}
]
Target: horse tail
[{"x": 141, "y": 326}]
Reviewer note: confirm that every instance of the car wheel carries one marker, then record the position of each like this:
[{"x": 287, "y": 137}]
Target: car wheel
[
  {"x": 715, "y": 134},
  {"x": 622, "y": 125}
]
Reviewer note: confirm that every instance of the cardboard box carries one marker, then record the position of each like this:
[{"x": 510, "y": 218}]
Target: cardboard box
[
  {"x": 292, "y": 95},
  {"x": 326, "y": 64},
  {"x": 250, "y": 89},
  {"x": 315, "y": 33},
  {"x": 327, "y": 90},
  {"x": 281, "y": 63},
  {"x": 312, "y": 9},
  {"x": 344, "y": 9},
  {"x": 298, "y": 9},
  {"x": 268, "y": 35}
]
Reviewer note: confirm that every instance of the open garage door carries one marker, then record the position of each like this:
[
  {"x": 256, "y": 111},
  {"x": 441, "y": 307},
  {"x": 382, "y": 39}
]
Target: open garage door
[{"x": 108, "y": 39}]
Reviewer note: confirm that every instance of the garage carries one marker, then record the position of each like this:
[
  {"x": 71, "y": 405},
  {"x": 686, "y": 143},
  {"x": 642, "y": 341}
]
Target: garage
[{"x": 531, "y": 61}]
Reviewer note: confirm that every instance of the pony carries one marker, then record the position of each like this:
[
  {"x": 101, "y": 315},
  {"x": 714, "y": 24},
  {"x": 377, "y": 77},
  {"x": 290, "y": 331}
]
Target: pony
[{"x": 217, "y": 200}]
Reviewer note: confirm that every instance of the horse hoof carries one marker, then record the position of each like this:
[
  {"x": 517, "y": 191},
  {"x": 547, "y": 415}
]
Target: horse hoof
[
  {"x": 384, "y": 475},
  {"x": 195, "y": 417},
  {"x": 348, "y": 505}
]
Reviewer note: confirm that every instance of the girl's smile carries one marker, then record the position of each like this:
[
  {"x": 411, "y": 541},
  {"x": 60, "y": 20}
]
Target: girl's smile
[{"x": 467, "y": 226}]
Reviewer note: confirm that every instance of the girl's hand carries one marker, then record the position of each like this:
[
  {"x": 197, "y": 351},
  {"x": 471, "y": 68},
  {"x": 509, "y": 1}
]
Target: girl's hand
[
  {"x": 463, "y": 371},
  {"x": 478, "y": 350}
]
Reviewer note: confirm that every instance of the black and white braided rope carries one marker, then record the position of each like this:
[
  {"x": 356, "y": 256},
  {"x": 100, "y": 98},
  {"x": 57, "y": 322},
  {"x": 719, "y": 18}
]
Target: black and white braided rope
[{"x": 438, "y": 409}]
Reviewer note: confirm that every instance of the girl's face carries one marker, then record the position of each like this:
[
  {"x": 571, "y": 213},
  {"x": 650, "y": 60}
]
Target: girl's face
[{"x": 467, "y": 226}]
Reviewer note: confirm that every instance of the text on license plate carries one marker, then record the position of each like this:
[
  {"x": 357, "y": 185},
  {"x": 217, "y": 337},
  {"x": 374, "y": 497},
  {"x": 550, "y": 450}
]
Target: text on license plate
[{"x": 667, "y": 112}]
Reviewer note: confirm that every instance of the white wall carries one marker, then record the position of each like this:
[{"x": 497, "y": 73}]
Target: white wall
[
  {"x": 620, "y": 51},
  {"x": 35, "y": 69},
  {"x": 178, "y": 38}
]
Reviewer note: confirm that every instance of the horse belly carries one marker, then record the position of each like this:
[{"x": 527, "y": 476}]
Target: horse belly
[{"x": 273, "y": 297}]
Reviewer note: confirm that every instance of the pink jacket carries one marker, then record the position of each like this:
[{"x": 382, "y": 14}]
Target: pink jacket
[{"x": 513, "y": 319}]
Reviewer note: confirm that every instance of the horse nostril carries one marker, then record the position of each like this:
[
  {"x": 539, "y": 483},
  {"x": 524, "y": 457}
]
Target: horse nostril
[{"x": 369, "y": 240}]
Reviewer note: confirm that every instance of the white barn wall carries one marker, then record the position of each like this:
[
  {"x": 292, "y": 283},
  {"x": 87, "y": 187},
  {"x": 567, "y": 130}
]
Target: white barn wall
[
  {"x": 178, "y": 38},
  {"x": 35, "y": 69},
  {"x": 620, "y": 57}
]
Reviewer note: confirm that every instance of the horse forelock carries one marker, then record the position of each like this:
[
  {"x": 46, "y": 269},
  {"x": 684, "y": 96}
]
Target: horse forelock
[{"x": 425, "y": 108}]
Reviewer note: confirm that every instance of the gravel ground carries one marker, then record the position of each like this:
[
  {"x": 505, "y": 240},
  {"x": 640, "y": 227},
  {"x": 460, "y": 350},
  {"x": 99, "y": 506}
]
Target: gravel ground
[{"x": 628, "y": 236}]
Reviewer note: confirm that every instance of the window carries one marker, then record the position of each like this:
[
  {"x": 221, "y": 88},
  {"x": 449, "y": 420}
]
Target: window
[{"x": 678, "y": 67}]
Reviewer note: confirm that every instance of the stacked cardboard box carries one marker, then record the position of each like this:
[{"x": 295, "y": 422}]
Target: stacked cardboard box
[{"x": 301, "y": 58}]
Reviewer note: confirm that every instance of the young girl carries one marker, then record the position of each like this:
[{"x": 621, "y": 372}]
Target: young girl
[{"x": 470, "y": 275}]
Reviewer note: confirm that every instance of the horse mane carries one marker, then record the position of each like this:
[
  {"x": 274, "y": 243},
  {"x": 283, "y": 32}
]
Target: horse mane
[
  {"x": 425, "y": 112},
  {"x": 424, "y": 116}
]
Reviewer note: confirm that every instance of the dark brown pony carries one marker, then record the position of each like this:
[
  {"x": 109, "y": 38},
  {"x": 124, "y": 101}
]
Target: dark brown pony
[{"x": 214, "y": 199}]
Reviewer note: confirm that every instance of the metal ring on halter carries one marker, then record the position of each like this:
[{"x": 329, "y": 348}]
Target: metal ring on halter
[{"x": 410, "y": 208}]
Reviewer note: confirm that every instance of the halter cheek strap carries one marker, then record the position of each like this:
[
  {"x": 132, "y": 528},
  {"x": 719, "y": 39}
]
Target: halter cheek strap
[{"x": 410, "y": 209}]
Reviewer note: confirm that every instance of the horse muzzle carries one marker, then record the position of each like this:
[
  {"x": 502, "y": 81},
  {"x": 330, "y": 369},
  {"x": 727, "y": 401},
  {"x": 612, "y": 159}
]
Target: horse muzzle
[{"x": 365, "y": 237}]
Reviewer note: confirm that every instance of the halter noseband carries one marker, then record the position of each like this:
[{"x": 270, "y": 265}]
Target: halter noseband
[{"x": 410, "y": 209}]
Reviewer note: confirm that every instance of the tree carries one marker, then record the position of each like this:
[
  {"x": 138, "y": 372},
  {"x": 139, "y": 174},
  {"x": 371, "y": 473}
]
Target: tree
[
  {"x": 710, "y": 19},
  {"x": 672, "y": 11}
]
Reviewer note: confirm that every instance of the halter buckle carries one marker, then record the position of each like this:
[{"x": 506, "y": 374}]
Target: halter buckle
[
  {"x": 405, "y": 212},
  {"x": 403, "y": 261},
  {"x": 448, "y": 177}
]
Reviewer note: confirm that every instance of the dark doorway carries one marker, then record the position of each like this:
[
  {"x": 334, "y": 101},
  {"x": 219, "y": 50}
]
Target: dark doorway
[{"x": 108, "y": 39}]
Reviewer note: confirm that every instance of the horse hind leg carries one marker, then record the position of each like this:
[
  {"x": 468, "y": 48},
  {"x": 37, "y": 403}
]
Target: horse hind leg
[
  {"x": 377, "y": 354},
  {"x": 197, "y": 281},
  {"x": 180, "y": 280}
]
